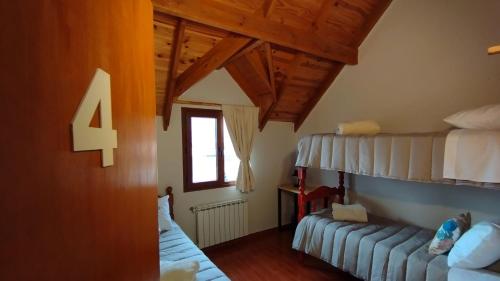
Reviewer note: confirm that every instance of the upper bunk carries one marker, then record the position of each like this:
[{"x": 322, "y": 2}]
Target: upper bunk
[{"x": 462, "y": 157}]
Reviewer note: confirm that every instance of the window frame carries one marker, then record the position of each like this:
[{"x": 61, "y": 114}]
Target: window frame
[{"x": 187, "y": 113}]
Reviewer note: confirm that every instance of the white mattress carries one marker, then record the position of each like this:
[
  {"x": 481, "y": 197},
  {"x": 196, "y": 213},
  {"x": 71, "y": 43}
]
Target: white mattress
[
  {"x": 409, "y": 157},
  {"x": 460, "y": 274}
]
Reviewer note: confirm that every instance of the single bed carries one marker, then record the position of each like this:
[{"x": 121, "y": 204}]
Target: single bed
[
  {"x": 175, "y": 245},
  {"x": 378, "y": 250}
]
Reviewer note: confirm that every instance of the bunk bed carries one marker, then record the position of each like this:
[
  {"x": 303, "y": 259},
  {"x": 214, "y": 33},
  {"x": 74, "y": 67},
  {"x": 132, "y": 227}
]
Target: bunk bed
[{"x": 382, "y": 249}]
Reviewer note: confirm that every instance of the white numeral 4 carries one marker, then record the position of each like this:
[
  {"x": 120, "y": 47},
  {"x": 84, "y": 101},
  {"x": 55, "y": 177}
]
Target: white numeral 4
[{"x": 85, "y": 138}]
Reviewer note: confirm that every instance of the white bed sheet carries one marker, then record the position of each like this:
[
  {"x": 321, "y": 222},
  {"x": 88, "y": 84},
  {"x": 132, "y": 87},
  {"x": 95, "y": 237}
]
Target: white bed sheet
[
  {"x": 408, "y": 157},
  {"x": 460, "y": 274},
  {"x": 472, "y": 155}
]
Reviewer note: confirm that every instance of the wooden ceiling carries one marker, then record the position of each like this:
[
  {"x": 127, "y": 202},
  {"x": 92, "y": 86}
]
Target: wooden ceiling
[{"x": 284, "y": 54}]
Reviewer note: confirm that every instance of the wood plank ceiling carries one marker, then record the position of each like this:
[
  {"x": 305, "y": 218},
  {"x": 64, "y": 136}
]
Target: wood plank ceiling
[{"x": 284, "y": 54}]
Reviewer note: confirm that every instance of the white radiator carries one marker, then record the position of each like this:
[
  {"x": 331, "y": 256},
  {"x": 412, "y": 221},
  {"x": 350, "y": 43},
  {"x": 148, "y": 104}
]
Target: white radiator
[{"x": 220, "y": 222}]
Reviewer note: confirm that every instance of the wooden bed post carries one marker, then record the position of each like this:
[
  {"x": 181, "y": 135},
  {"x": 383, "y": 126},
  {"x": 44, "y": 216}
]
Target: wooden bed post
[
  {"x": 302, "y": 172},
  {"x": 341, "y": 187},
  {"x": 170, "y": 201}
]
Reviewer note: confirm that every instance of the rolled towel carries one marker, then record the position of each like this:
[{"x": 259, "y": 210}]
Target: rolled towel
[
  {"x": 368, "y": 127},
  {"x": 178, "y": 270},
  {"x": 355, "y": 212}
]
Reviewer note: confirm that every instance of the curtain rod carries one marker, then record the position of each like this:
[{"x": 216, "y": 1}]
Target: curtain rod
[{"x": 197, "y": 103}]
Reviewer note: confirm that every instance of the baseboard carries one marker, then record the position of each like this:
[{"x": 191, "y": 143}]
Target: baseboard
[{"x": 252, "y": 236}]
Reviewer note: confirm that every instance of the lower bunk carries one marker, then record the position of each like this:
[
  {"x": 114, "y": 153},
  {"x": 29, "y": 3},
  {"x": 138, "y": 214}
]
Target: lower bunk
[{"x": 379, "y": 250}]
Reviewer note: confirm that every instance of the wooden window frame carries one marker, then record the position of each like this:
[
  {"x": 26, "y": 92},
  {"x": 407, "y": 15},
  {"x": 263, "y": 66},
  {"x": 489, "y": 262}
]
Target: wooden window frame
[{"x": 189, "y": 186}]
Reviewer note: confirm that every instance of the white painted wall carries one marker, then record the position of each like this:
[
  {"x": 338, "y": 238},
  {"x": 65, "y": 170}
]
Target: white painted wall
[
  {"x": 272, "y": 160},
  {"x": 424, "y": 60}
]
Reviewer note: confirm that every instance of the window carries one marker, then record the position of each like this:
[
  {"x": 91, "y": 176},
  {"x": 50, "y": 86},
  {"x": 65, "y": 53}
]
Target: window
[{"x": 209, "y": 157}]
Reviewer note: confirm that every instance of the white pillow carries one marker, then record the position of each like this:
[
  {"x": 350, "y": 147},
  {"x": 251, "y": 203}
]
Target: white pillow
[
  {"x": 164, "y": 219},
  {"x": 484, "y": 118},
  {"x": 477, "y": 248},
  {"x": 179, "y": 270},
  {"x": 355, "y": 212}
]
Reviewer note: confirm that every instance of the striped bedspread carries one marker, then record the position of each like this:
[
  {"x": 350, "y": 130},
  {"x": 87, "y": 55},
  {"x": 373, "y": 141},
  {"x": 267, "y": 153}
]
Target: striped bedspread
[
  {"x": 371, "y": 251},
  {"x": 176, "y": 246}
]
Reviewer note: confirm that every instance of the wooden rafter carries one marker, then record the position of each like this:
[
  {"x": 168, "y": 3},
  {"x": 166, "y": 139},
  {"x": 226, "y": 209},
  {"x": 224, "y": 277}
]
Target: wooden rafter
[
  {"x": 222, "y": 16},
  {"x": 268, "y": 7},
  {"x": 320, "y": 91},
  {"x": 270, "y": 69},
  {"x": 369, "y": 23},
  {"x": 213, "y": 59},
  {"x": 299, "y": 59},
  {"x": 258, "y": 66},
  {"x": 493, "y": 50},
  {"x": 250, "y": 47},
  {"x": 191, "y": 26},
  {"x": 172, "y": 72},
  {"x": 323, "y": 12},
  {"x": 241, "y": 80}
]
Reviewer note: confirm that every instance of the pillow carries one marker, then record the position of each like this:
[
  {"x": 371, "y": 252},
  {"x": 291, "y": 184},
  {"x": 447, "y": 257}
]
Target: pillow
[
  {"x": 479, "y": 247},
  {"x": 164, "y": 219},
  {"x": 368, "y": 127},
  {"x": 179, "y": 270},
  {"x": 448, "y": 233},
  {"x": 485, "y": 118},
  {"x": 355, "y": 212}
]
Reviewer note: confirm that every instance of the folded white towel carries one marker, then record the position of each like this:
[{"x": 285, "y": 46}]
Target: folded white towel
[
  {"x": 179, "y": 270},
  {"x": 355, "y": 212},
  {"x": 368, "y": 127}
]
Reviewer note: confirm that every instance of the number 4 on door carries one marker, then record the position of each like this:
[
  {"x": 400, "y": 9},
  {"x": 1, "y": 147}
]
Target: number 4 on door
[{"x": 86, "y": 137}]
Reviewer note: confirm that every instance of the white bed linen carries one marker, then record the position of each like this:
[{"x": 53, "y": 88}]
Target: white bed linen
[
  {"x": 461, "y": 274},
  {"x": 472, "y": 155},
  {"x": 408, "y": 157}
]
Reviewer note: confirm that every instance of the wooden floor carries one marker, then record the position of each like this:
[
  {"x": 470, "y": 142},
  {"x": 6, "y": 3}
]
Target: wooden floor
[{"x": 269, "y": 256}]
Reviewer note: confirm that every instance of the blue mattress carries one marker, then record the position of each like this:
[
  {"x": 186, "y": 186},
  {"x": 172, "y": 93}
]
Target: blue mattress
[{"x": 175, "y": 245}]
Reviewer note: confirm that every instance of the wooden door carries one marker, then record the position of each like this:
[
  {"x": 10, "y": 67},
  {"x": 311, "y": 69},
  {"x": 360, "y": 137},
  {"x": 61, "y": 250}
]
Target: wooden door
[{"x": 63, "y": 216}]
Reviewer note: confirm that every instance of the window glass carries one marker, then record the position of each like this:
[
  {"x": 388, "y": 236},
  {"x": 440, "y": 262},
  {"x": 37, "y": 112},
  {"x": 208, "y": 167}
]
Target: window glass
[{"x": 204, "y": 149}]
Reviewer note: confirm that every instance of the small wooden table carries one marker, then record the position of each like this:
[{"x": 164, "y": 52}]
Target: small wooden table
[{"x": 295, "y": 191}]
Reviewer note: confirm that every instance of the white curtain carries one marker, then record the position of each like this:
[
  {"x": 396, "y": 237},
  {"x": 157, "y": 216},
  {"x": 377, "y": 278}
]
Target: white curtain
[{"x": 241, "y": 122}]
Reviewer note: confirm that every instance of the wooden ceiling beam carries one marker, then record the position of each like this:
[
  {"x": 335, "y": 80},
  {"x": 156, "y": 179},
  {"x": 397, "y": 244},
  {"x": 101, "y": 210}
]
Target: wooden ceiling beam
[
  {"x": 250, "y": 47},
  {"x": 320, "y": 91},
  {"x": 268, "y": 7},
  {"x": 257, "y": 64},
  {"x": 270, "y": 69},
  {"x": 370, "y": 22},
  {"x": 298, "y": 60},
  {"x": 243, "y": 83},
  {"x": 190, "y": 25},
  {"x": 325, "y": 8},
  {"x": 213, "y": 59},
  {"x": 172, "y": 72},
  {"x": 222, "y": 16},
  {"x": 493, "y": 50}
]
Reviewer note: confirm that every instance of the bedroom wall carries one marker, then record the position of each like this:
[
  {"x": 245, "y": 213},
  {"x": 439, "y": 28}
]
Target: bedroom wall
[
  {"x": 272, "y": 160},
  {"x": 423, "y": 61}
]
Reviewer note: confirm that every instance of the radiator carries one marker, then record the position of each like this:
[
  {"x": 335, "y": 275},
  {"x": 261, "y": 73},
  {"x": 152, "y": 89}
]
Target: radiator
[{"x": 220, "y": 222}]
